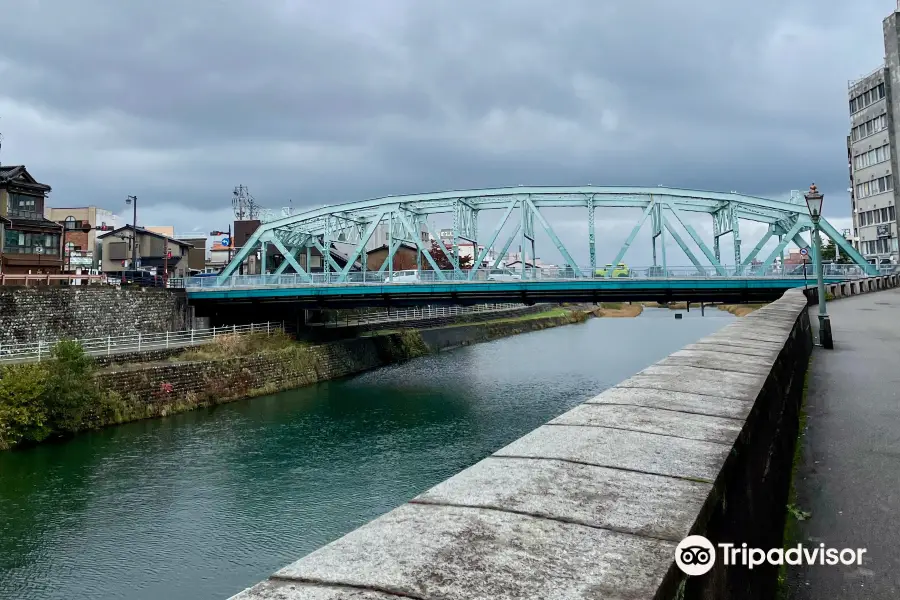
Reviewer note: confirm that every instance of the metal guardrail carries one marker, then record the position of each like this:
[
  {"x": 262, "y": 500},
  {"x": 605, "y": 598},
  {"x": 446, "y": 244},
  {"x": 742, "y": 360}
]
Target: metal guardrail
[
  {"x": 69, "y": 279},
  {"x": 548, "y": 273},
  {"x": 141, "y": 342}
]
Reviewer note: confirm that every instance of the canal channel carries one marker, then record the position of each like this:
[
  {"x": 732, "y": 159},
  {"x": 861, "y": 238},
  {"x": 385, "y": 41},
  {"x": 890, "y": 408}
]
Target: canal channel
[{"x": 203, "y": 504}]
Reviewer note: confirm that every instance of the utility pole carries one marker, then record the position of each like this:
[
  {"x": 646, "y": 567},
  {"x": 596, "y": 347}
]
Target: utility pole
[
  {"x": 166, "y": 263},
  {"x": 230, "y": 240},
  {"x": 132, "y": 200}
]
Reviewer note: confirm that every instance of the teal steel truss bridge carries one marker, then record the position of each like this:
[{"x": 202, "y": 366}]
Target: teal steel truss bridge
[{"x": 521, "y": 212}]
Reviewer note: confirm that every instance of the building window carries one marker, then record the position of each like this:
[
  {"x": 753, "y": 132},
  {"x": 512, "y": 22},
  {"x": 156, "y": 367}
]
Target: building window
[
  {"x": 876, "y": 186},
  {"x": 23, "y": 206},
  {"x": 867, "y": 98},
  {"x": 872, "y": 157},
  {"x": 24, "y": 242}
]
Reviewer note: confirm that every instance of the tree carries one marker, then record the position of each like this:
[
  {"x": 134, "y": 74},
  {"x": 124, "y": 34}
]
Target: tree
[
  {"x": 441, "y": 260},
  {"x": 831, "y": 253}
]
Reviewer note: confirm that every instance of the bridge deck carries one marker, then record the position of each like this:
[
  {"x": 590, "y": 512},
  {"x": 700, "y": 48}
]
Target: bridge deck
[{"x": 697, "y": 289}]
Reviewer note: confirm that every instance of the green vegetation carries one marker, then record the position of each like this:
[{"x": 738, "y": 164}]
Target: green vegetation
[
  {"x": 231, "y": 345},
  {"x": 55, "y": 397},
  {"x": 794, "y": 514},
  {"x": 831, "y": 253},
  {"x": 67, "y": 393}
]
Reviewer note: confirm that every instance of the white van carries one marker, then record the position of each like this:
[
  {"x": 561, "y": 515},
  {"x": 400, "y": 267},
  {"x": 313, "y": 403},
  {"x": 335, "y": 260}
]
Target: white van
[
  {"x": 404, "y": 277},
  {"x": 503, "y": 275}
]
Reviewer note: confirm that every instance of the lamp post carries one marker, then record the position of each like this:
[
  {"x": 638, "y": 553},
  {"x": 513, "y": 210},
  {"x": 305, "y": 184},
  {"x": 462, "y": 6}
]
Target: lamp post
[
  {"x": 814, "y": 201},
  {"x": 132, "y": 200}
]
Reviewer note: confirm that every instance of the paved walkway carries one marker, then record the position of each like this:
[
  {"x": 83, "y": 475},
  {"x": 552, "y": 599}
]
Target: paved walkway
[{"x": 850, "y": 475}]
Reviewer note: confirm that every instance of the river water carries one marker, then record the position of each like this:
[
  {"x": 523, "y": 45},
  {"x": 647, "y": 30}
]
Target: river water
[{"x": 203, "y": 504}]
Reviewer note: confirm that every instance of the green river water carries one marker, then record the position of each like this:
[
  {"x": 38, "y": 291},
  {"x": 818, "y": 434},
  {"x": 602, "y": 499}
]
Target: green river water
[{"x": 203, "y": 504}]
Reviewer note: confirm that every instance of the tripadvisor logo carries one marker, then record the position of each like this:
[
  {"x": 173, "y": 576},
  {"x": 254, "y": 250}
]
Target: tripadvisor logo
[{"x": 696, "y": 555}]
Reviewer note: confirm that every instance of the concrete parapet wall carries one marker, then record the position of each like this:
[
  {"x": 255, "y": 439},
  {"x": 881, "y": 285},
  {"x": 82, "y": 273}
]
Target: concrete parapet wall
[
  {"x": 593, "y": 504},
  {"x": 855, "y": 287}
]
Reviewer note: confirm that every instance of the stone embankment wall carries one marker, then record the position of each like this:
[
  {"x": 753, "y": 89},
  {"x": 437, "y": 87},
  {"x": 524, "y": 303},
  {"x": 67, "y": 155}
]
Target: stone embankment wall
[
  {"x": 31, "y": 314},
  {"x": 349, "y": 330},
  {"x": 594, "y": 503},
  {"x": 157, "y": 389}
]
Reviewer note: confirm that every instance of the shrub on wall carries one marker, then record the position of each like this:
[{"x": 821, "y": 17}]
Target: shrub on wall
[
  {"x": 42, "y": 399},
  {"x": 23, "y": 414}
]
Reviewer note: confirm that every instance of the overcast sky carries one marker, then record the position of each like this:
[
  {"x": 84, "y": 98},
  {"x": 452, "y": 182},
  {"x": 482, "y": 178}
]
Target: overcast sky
[{"x": 323, "y": 102}]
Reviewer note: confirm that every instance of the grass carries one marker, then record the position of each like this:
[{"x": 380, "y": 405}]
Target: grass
[
  {"x": 229, "y": 346},
  {"x": 795, "y": 515},
  {"x": 618, "y": 309}
]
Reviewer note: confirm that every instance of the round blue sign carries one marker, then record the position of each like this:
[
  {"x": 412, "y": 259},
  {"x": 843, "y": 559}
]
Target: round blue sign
[
  {"x": 804, "y": 251},
  {"x": 225, "y": 242}
]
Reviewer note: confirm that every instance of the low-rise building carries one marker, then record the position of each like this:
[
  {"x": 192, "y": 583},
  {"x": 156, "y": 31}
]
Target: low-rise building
[
  {"x": 81, "y": 249},
  {"x": 197, "y": 253},
  {"x": 155, "y": 252},
  {"x": 405, "y": 257},
  {"x": 31, "y": 243}
]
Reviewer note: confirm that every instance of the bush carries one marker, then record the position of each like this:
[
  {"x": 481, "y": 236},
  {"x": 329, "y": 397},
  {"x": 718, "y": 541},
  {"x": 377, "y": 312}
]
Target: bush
[
  {"x": 71, "y": 393},
  {"x": 57, "y": 396},
  {"x": 23, "y": 414}
]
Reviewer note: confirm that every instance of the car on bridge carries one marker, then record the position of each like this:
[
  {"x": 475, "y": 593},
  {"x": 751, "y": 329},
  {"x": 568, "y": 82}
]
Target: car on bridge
[
  {"x": 410, "y": 276},
  {"x": 620, "y": 270},
  {"x": 503, "y": 275}
]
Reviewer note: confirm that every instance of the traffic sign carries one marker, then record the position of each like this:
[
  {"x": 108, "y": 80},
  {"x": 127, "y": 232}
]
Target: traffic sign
[
  {"x": 804, "y": 251},
  {"x": 225, "y": 242}
]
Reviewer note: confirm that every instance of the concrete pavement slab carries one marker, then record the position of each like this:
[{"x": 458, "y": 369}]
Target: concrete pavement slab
[
  {"x": 725, "y": 384},
  {"x": 718, "y": 360},
  {"x": 733, "y": 349},
  {"x": 619, "y": 449},
  {"x": 680, "y": 401},
  {"x": 458, "y": 553},
  {"x": 653, "y": 420},
  {"x": 638, "y": 503},
  {"x": 734, "y": 339}
]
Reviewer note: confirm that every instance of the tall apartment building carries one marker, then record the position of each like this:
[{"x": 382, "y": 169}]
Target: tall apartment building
[{"x": 873, "y": 152}]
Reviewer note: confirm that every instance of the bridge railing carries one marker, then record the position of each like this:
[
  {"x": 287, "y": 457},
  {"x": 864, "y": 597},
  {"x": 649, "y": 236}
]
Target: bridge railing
[
  {"x": 14, "y": 352},
  {"x": 529, "y": 274}
]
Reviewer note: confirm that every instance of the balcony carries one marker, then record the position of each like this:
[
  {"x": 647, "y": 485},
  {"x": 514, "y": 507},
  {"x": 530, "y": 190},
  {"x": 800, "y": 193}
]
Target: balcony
[
  {"x": 19, "y": 213},
  {"x": 50, "y": 252}
]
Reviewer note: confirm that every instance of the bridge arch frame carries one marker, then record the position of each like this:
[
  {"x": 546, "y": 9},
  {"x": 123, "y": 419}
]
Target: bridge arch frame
[{"x": 354, "y": 223}]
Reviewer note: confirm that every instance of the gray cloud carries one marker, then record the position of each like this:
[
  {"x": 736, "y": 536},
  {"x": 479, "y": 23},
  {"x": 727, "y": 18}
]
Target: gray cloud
[{"x": 326, "y": 102}]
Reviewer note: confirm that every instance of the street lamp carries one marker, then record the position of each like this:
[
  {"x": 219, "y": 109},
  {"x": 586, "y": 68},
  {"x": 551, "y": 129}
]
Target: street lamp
[
  {"x": 132, "y": 201},
  {"x": 814, "y": 203}
]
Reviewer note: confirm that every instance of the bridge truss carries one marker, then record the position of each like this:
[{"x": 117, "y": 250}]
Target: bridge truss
[{"x": 406, "y": 217}]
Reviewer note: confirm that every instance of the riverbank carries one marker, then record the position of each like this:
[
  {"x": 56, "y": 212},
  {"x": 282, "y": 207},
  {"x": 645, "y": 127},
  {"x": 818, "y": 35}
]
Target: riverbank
[
  {"x": 619, "y": 309},
  {"x": 32, "y": 410},
  {"x": 738, "y": 310}
]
